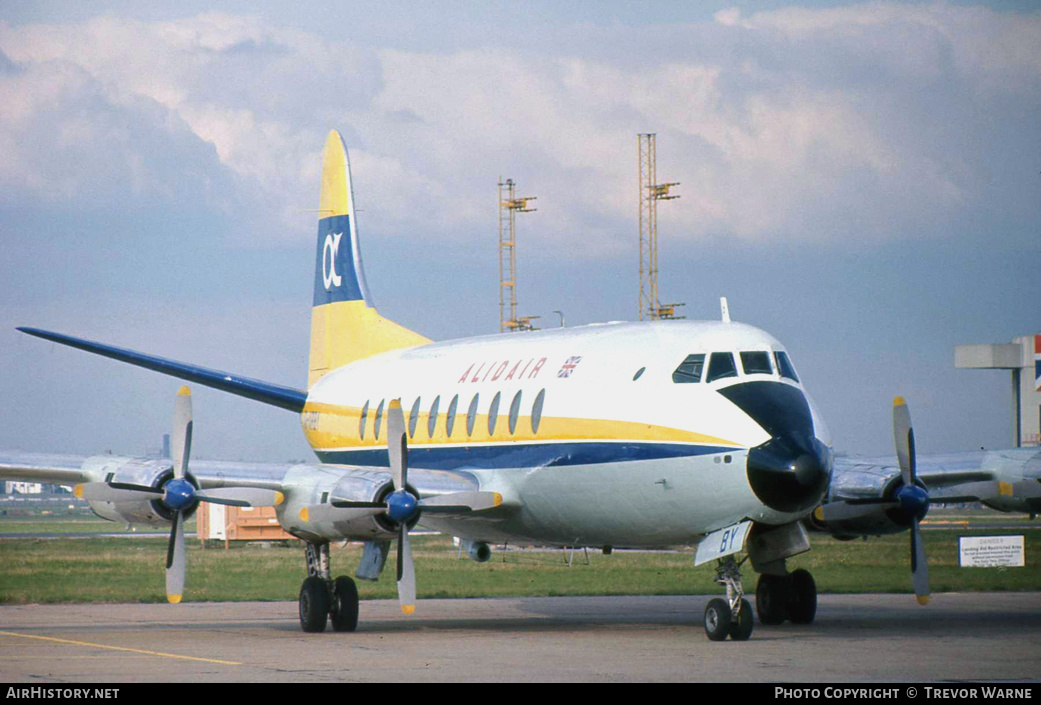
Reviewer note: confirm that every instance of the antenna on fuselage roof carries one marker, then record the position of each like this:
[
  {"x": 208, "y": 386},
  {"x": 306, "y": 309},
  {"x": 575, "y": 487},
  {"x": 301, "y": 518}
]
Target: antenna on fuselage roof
[{"x": 724, "y": 309}]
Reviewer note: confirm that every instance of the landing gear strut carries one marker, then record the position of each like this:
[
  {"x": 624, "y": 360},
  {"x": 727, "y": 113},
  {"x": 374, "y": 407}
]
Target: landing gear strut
[
  {"x": 733, "y": 616},
  {"x": 322, "y": 599},
  {"x": 792, "y": 597}
]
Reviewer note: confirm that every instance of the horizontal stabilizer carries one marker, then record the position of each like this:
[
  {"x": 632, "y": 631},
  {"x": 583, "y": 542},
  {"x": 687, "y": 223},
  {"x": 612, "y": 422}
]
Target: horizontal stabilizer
[{"x": 264, "y": 392}]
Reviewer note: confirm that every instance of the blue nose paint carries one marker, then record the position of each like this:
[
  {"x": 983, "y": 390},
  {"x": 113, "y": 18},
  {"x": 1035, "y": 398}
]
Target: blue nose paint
[{"x": 179, "y": 494}]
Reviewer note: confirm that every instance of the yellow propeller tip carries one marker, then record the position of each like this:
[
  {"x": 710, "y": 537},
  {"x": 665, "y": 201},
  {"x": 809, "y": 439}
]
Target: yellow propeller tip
[
  {"x": 922, "y": 599},
  {"x": 304, "y": 515},
  {"x": 78, "y": 491},
  {"x": 899, "y": 401},
  {"x": 395, "y": 404},
  {"x": 184, "y": 391},
  {"x": 279, "y": 498},
  {"x": 498, "y": 499},
  {"x": 174, "y": 599},
  {"x": 408, "y": 609}
]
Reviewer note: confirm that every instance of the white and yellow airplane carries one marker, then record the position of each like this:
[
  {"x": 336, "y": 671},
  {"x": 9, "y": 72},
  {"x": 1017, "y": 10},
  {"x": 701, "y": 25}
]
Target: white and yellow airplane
[{"x": 609, "y": 435}]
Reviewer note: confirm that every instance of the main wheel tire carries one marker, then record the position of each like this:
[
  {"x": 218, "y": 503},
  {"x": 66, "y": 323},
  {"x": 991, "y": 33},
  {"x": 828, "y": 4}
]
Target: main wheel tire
[
  {"x": 717, "y": 619},
  {"x": 343, "y": 613},
  {"x": 802, "y": 597},
  {"x": 314, "y": 605},
  {"x": 741, "y": 628},
  {"x": 771, "y": 598}
]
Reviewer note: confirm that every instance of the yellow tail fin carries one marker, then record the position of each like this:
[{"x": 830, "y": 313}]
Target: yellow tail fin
[{"x": 344, "y": 325}]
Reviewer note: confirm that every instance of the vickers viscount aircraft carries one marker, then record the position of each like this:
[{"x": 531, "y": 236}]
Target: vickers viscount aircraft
[{"x": 612, "y": 435}]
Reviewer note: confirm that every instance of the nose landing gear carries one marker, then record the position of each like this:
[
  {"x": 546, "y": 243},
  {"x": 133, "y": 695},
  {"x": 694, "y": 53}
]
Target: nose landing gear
[{"x": 730, "y": 617}]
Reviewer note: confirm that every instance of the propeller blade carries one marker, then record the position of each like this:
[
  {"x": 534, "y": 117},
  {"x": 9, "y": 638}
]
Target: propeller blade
[
  {"x": 121, "y": 492},
  {"x": 331, "y": 512},
  {"x": 919, "y": 566},
  {"x": 966, "y": 492},
  {"x": 844, "y": 510},
  {"x": 242, "y": 497},
  {"x": 903, "y": 436},
  {"x": 175, "y": 561},
  {"x": 406, "y": 573},
  {"x": 460, "y": 502},
  {"x": 181, "y": 438},
  {"x": 397, "y": 447}
]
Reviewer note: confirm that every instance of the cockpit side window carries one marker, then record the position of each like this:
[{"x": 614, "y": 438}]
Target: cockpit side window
[
  {"x": 756, "y": 362},
  {"x": 784, "y": 366},
  {"x": 720, "y": 366},
  {"x": 689, "y": 370}
]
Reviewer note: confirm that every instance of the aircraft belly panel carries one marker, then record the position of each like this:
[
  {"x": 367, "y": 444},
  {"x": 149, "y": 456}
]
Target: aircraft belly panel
[{"x": 649, "y": 503}]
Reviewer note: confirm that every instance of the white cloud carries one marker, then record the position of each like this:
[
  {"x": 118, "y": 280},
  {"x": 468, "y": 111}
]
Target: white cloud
[{"x": 789, "y": 124}]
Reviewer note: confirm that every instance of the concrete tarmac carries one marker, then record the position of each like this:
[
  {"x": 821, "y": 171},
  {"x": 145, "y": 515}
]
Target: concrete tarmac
[{"x": 855, "y": 638}]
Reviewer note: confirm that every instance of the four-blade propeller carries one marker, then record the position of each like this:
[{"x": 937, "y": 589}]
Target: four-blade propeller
[
  {"x": 909, "y": 501},
  {"x": 402, "y": 505},
  {"x": 178, "y": 494}
]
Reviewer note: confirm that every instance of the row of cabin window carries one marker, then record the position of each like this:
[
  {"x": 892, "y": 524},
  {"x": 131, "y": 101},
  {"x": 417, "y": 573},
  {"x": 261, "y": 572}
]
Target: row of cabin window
[
  {"x": 721, "y": 365},
  {"x": 471, "y": 415}
]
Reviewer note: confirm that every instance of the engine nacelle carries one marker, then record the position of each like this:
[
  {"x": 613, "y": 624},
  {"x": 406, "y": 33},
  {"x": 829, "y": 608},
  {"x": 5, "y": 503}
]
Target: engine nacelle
[
  {"x": 153, "y": 472},
  {"x": 314, "y": 485}
]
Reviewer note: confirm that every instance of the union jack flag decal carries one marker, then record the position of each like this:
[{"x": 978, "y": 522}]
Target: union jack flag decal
[{"x": 569, "y": 366}]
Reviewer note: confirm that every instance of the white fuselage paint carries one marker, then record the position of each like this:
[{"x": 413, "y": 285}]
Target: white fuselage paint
[{"x": 592, "y": 400}]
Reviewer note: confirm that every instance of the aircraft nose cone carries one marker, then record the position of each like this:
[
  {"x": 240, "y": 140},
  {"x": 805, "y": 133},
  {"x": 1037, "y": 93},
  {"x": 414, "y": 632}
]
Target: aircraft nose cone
[{"x": 789, "y": 473}]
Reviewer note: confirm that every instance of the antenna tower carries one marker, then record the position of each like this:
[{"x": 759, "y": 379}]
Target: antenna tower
[
  {"x": 509, "y": 206},
  {"x": 649, "y": 306}
]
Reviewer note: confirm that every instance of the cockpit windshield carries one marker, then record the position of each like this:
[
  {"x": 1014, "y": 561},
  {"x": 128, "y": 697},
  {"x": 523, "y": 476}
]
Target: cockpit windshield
[{"x": 784, "y": 366}]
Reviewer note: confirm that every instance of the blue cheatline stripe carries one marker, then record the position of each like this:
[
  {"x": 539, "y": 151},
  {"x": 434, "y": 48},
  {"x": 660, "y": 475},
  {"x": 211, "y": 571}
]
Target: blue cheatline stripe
[
  {"x": 335, "y": 278},
  {"x": 507, "y": 455},
  {"x": 273, "y": 394}
]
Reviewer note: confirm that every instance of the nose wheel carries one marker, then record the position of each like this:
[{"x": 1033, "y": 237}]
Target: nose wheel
[{"x": 730, "y": 617}]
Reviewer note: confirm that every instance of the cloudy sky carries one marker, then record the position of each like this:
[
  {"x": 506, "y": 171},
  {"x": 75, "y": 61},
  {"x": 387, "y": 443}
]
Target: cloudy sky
[{"x": 861, "y": 180}]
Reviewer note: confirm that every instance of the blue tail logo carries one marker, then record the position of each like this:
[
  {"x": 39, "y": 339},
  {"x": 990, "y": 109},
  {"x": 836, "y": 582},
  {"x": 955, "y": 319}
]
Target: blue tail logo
[{"x": 336, "y": 277}]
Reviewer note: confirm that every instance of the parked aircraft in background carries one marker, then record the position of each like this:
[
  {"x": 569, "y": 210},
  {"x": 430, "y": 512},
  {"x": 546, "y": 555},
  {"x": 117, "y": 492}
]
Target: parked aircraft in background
[{"x": 608, "y": 435}]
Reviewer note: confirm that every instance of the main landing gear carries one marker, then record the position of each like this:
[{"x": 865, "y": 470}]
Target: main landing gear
[
  {"x": 322, "y": 598},
  {"x": 778, "y": 597},
  {"x": 792, "y": 596},
  {"x": 730, "y": 617}
]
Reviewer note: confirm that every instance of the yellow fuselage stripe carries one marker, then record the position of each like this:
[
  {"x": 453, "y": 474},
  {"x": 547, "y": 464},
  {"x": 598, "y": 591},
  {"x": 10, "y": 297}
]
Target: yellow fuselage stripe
[{"x": 328, "y": 426}]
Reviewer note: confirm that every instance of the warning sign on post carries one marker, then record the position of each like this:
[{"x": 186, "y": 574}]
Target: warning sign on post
[{"x": 991, "y": 551}]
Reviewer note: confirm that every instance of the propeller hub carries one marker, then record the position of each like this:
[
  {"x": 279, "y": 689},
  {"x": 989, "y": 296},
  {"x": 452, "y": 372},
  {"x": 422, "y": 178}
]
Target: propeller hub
[
  {"x": 401, "y": 506},
  {"x": 914, "y": 500},
  {"x": 178, "y": 494}
]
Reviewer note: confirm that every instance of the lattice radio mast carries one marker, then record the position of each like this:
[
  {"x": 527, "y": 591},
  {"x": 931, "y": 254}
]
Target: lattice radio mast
[
  {"x": 509, "y": 206},
  {"x": 649, "y": 306}
]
